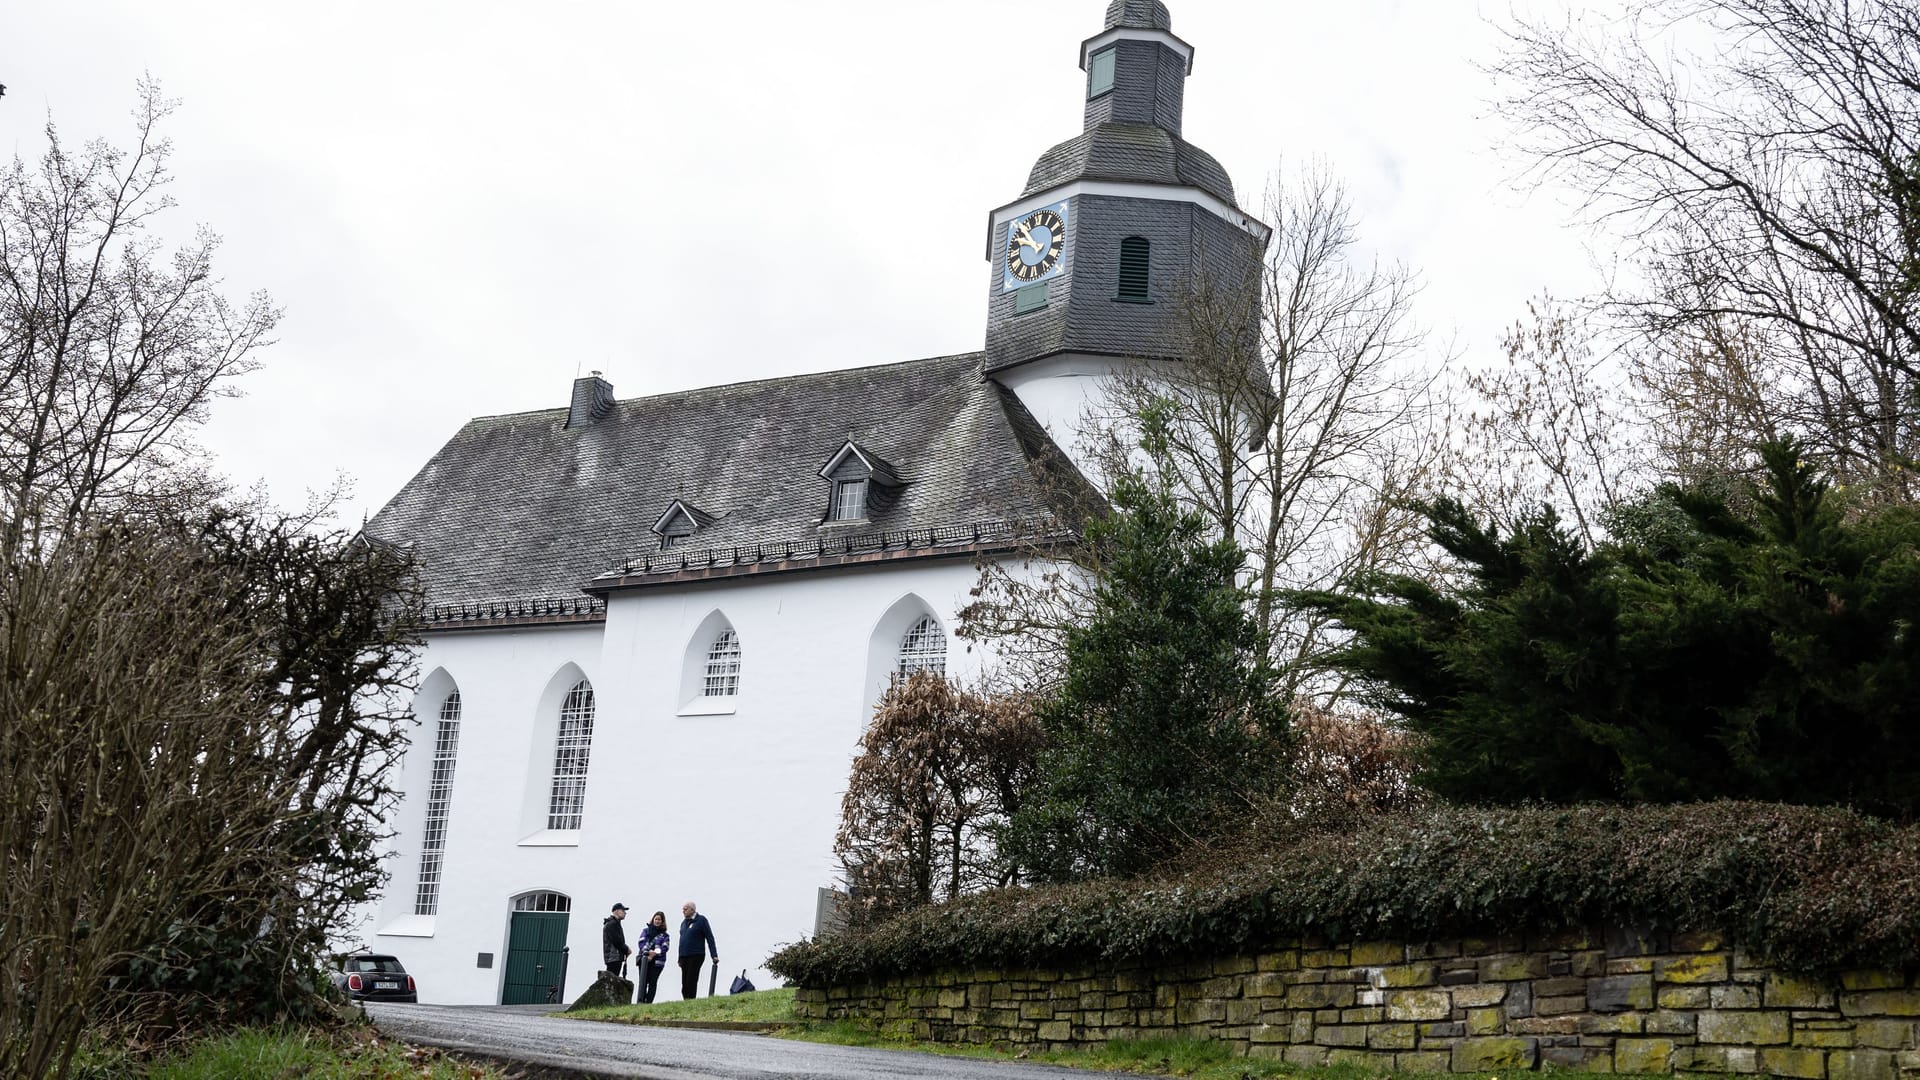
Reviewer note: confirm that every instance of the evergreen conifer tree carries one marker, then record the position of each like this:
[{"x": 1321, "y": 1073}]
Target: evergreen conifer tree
[{"x": 1166, "y": 723}]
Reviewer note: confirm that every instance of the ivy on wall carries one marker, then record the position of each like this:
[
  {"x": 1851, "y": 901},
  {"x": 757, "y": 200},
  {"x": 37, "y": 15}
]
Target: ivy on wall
[{"x": 1807, "y": 888}]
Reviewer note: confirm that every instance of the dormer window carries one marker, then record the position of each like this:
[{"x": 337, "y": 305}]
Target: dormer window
[
  {"x": 678, "y": 523},
  {"x": 862, "y": 484}
]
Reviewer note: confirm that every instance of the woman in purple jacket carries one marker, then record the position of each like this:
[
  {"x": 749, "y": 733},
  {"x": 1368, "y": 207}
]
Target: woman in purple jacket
[{"x": 655, "y": 942}]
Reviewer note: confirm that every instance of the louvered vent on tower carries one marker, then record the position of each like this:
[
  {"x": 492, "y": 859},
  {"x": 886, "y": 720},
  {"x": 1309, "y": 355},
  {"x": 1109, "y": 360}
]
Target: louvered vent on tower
[{"x": 1134, "y": 270}]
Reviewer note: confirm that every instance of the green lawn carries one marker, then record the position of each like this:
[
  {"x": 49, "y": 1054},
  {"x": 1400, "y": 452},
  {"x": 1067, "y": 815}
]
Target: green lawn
[
  {"x": 761, "y": 1006},
  {"x": 287, "y": 1055}
]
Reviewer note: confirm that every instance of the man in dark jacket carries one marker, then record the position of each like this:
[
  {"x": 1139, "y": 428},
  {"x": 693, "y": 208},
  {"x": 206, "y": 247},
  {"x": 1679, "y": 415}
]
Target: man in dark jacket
[
  {"x": 693, "y": 932},
  {"x": 613, "y": 940}
]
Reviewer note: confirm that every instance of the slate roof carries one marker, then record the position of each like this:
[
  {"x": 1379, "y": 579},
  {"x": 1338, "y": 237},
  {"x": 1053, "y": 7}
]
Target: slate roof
[
  {"x": 1148, "y": 14},
  {"x": 1139, "y": 153},
  {"x": 517, "y": 507}
]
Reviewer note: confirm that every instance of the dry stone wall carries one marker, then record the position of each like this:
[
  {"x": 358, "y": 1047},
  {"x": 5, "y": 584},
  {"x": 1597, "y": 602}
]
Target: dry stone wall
[{"x": 1619, "y": 1001}]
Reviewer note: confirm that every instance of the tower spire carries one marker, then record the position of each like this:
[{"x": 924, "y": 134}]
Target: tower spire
[{"x": 1136, "y": 67}]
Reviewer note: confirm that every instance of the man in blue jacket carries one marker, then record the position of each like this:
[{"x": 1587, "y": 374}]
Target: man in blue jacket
[{"x": 693, "y": 931}]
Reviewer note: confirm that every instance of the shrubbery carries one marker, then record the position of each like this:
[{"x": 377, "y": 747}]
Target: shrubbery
[
  {"x": 1757, "y": 644},
  {"x": 1809, "y": 889}
]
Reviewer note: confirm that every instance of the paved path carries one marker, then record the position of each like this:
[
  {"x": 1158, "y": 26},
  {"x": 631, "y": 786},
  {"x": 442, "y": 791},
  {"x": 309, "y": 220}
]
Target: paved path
[{"x": 525, "y": 1033}]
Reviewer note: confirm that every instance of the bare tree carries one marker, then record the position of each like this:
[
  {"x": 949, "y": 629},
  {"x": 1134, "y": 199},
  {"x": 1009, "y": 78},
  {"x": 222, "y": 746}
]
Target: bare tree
[
  {"x": 110, "y": 348},
  {"x": 1761, "y": 161},
  {"x": 1550, "y": 426},
  {"x": 1304, "y": 439},
  {"x": 200, "y": 702}
]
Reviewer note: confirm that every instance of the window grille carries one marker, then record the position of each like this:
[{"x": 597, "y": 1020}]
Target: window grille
[
  {"x": 542, "y": 901},
  {"x": 1134, "y": 267},
  {"x": 723, "y": 666},
  {"x": 433, "y": 840},
  {"x": 849, "y": 500},
  {"x": 923, "y": 648},
  {"x": 569, "y": 799}
]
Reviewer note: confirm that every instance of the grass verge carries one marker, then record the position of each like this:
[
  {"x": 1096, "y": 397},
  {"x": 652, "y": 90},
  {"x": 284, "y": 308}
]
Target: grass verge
[
  {"x": 760, "y": 1006},
  {"x": 310, "y": 1055},
  {"x": 1200, "y": 1059}
]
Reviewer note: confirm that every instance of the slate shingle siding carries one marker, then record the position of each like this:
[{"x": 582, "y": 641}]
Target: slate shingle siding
[
  {"x": 1149, "y": 82},
  {"x": 1083, "y": 314},
  {"x": 1130, "y": 153},
  {"x": 518, "y": 506}
]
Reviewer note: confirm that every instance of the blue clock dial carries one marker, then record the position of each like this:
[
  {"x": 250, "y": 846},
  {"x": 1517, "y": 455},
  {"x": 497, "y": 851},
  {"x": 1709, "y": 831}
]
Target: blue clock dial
[{"x": 1034, "y": 245}]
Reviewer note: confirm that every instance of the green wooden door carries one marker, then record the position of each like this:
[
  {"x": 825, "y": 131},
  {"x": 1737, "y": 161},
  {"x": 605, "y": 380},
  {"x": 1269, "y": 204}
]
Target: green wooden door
[{"x": 536, "y": 953}]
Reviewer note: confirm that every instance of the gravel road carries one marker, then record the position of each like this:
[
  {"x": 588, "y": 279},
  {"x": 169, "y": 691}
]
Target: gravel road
[{"x": 525, "y": 1033}]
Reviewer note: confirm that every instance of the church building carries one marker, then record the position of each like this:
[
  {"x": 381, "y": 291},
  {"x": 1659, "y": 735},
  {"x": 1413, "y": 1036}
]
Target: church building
[{"x": 659, "y": 625}]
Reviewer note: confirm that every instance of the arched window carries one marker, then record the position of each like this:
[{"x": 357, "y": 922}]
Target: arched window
[
  {"x": 433, "y": 837},
  {"x": 1134, "y": 271},
  {"x": 923, "y": 648},
  {"x": 542, "y": 901},
  {"x": 723, "y": 666},
  {"x": 571, "y": 748}
]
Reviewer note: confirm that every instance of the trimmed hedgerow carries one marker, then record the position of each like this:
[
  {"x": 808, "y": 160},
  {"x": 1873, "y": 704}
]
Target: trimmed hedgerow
[{"x": 1806, "y": 888}]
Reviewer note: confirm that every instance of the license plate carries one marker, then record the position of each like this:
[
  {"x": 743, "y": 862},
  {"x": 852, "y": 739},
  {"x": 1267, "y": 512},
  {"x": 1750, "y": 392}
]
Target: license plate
[{"x": 386, "y": 986}]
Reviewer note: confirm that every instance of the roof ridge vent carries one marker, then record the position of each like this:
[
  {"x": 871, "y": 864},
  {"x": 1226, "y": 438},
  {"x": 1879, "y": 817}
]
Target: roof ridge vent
[{"x": 592, "y": 400}]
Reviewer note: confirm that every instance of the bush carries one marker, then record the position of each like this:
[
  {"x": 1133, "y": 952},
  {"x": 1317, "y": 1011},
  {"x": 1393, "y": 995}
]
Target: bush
[
  {"x": 940, "y": 767},
  {"x": 1808, "y": 889}
]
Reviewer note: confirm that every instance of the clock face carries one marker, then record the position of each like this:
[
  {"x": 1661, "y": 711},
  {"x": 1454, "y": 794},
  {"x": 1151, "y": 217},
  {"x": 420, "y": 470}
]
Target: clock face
[{"x": 1034, "y": 245}]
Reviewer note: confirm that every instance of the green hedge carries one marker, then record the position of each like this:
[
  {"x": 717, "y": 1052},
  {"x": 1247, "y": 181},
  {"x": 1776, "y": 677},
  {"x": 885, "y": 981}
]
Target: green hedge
[{"x": 1809, "y": 889}]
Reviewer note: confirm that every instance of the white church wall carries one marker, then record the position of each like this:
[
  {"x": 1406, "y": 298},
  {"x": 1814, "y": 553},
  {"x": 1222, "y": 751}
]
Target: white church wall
[
  {"x": 1069, "y": 394},
  {"x": 733, "y": 806}
]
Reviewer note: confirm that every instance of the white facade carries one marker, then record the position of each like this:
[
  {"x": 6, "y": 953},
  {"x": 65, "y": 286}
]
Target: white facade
[
  {"x": 730, "y": 802},
  {"x": 733, "y": 800}
]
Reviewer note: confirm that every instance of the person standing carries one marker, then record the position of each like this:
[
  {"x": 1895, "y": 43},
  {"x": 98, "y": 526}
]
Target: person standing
[
  {"x": 694, "y": 930},
  {"x": 655, "y": 939},
  {"x": 613, "y": 940}
]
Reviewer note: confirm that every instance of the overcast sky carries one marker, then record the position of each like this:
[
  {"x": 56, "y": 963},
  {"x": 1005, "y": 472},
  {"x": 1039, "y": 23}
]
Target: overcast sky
[{"x": 462, "y": 206}]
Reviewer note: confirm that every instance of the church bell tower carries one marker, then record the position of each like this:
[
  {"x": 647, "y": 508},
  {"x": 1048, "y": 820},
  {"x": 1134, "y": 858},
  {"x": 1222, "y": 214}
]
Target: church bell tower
[{"x": 1090, "y": 263}]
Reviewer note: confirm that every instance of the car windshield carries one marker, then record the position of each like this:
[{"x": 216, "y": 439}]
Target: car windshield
[{"x": 380, "y": 965}]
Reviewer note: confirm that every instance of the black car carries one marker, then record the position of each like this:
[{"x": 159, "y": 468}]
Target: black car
[{"x": 374, "y": 977}]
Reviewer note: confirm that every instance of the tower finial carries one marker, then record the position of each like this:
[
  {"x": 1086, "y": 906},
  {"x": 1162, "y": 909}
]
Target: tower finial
[{"x": 1143, "y": 14}]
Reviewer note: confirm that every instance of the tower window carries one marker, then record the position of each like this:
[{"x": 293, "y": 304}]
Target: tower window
[
  {"x": 849, "y": 501},
  {"x": 1100, "y": 73},
  {"x": 1134, "y": 275},
  {"x": 1031, "y": 298}
]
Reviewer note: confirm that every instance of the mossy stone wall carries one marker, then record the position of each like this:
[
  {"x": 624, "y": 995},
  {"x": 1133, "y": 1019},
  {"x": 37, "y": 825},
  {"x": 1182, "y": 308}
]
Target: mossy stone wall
[{"x": 1608, "y": 1001}]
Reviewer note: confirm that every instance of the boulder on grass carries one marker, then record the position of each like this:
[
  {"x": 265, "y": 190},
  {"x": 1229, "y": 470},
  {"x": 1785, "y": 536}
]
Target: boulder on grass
[{"x": 607, "y": 989}]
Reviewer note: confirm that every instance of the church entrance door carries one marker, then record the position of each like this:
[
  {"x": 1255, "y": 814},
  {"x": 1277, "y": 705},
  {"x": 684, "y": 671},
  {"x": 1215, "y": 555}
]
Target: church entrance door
[{"x": 536, "y": 956}]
